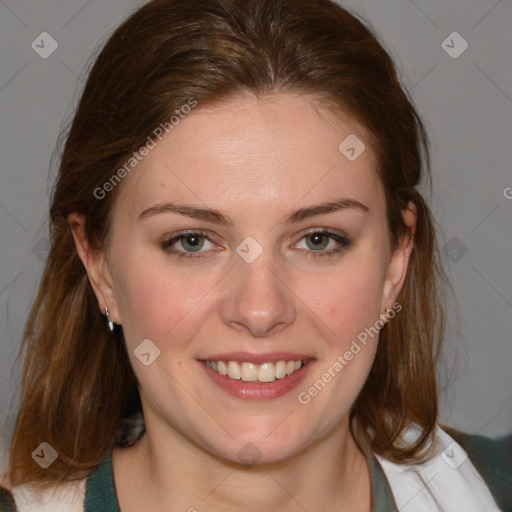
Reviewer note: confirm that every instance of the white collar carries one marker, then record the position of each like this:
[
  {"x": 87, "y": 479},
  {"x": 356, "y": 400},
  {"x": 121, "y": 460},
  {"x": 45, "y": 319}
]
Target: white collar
[{"x": 446, "y": 483}]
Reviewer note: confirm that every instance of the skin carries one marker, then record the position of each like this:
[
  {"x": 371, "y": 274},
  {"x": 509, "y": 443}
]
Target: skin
[{"x": 256, "y": 160}]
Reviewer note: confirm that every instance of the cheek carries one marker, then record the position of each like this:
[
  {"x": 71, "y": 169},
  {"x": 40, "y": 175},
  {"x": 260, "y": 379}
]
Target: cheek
[
  {"x": 348, "y": 299},
  {"x": 348, "y": 305},
  {"x": 159, "y": 304}
]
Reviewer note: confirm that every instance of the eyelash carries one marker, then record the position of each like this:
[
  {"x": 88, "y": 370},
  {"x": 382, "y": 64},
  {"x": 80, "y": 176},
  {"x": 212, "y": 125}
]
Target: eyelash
[{"x": 343, "y": 243}]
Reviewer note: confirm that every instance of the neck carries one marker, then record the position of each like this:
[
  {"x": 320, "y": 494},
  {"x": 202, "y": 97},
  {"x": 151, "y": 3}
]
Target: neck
[{"x": 165, "y": 471}]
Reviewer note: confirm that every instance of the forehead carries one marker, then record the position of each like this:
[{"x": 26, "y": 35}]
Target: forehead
[{"x": 254, "y": 154}]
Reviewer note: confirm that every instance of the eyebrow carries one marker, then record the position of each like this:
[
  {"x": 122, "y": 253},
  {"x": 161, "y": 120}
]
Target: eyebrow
[{"x": 217, "y": 217}]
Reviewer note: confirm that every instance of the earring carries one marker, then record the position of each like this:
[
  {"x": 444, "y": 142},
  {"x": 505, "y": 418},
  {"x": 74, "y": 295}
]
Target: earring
[{"x": 110, "y": 323}]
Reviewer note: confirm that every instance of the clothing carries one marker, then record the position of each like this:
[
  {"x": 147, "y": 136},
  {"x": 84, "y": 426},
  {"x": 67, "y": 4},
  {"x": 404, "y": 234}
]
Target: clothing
[{"x": 448, "y": 482}]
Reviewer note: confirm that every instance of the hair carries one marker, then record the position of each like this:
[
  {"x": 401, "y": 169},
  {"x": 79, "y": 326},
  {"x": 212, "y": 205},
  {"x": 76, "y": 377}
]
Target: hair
[{"x": 77, "y": 384}]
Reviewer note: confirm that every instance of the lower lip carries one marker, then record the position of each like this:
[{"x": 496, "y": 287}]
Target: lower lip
[{"x": 258, "y": 390}]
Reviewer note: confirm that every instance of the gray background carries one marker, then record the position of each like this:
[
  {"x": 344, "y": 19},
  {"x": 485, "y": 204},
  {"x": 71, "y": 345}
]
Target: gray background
[{"x": 466, "y": 103}]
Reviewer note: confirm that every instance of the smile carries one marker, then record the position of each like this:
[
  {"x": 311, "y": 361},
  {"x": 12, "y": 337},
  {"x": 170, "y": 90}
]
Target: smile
[
  {"x": 257, "y": 377},
  {"x": 251, "y": 372}
]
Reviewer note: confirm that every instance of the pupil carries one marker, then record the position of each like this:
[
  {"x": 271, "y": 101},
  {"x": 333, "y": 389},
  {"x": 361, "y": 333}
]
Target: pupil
[
  {"x": 193, "y": 242},
  {"x": 318, "y": 240}
]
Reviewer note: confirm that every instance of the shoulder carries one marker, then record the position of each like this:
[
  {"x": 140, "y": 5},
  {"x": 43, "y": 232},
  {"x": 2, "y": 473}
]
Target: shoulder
[
  {"x": 95, "y": 493},
  {"x": 493, "y": 460},
  {"x": 61, "y": 498},
  {"x": 68, "y": 497},
  {"x": 458, "y": 477}
]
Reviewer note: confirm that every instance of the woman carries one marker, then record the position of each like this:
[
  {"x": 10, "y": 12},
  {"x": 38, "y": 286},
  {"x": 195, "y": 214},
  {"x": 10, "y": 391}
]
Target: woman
[{"x": 241, "y": 257}]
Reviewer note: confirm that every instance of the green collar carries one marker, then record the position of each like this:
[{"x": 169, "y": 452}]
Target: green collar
[{"x": 100, "y": 492}]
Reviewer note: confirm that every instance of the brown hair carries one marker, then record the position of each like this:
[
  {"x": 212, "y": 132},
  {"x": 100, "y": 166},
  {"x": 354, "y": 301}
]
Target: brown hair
[{"x": 77, "y": 383}]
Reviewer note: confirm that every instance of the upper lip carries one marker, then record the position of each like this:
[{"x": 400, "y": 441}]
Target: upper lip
[{"x": 257, "y": 358}]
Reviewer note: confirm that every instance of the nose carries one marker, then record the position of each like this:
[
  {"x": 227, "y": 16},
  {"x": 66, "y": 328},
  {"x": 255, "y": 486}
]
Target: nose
[{"x": 257, "y": 299}]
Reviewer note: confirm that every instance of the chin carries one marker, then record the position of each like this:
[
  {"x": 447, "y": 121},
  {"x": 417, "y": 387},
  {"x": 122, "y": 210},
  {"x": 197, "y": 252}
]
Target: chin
[{"x": 256, "y": 450}]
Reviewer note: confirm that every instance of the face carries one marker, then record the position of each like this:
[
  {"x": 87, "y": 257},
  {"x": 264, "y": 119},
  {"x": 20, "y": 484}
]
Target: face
[{"x": 246, "y": 242}]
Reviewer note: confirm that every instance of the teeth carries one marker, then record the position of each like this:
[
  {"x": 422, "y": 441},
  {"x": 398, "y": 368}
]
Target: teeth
[
  {"x": 234, "y": 370},
  {"x": 267, "y": 372},
  {"x": 280, "y": 369},
  {"x": 250, "y": 372},
  {"x": 221, "y": 367}
]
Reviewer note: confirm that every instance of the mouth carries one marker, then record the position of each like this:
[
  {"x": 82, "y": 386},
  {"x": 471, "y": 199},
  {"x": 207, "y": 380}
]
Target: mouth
[{"x": 258, "y": 378}]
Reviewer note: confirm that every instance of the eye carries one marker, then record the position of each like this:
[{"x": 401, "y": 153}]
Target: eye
[
  {"x": 321, "y": 243},
  {"x": 188, "y": 244},
  {"x": 196, "y": 244}
]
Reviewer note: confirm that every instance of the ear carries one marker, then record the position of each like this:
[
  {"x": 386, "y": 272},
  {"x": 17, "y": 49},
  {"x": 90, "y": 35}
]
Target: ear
[
  {"x": 399, "y": 259},
  {"x": 96, "y": 266}
]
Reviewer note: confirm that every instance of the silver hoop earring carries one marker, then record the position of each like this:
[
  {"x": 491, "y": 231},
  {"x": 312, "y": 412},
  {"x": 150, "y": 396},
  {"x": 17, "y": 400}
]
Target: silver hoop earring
[{"x": 110, "y": 323}]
